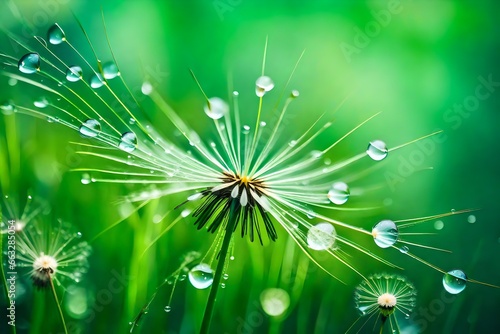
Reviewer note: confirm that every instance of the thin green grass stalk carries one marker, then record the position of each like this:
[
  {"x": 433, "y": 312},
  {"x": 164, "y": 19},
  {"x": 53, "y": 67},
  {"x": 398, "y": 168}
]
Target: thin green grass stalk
[
  {"x": 54, "y": 293},
  {"x": 209, "y": 309}
]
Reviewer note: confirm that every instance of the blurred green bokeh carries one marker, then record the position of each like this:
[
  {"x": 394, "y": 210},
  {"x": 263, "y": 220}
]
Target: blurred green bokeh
[{"x": 416, "y": 64}]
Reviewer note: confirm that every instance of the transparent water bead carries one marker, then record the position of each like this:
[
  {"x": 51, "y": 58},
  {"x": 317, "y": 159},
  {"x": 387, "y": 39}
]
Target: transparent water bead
[
  {"x": 41, "y": 102},
  {"x": 471, "y": 219},
  {"x": 168, "y": 308},
  {"x": 339, "y": 193},
  {"x": 29, "y": 63},
  {"x": 385, "y": 233},
  {"x": 74, "y": 73},
  {"x": 216, "y": 108},
  {"x": 274, "y": 301},
  {"x": 201, "y": 276},
  {"x": 263, "y": 85},
  {"x": 96, "y": 81},
  {"x": 8, "y": 108},
  {"x": 321, "y": 236},
  {"x": 146, "y": 88},
  {"x": 377, "y": 150},
  {"x": 110, "y": 70},
  {"x": 128, "y": 142},
  {"x": 455, "y": 281},
  {"x": 55, "y": 34},
  {"x": 90, "y": 128}
]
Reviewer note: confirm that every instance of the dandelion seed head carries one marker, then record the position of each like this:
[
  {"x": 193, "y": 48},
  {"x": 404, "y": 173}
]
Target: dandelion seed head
[{"x": 387, "y": 300}]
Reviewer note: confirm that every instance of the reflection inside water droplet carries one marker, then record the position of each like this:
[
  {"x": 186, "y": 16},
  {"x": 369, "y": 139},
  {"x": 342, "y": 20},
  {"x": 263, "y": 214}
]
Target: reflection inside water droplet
[
  {"x": 454, "y": 281},
  {"x": 385, "y": 233},
  {"x": 201, "y": 276},
  {"x": 377, "y": 150}
]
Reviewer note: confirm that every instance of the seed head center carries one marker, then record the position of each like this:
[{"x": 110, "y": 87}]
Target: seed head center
[{"x": 387, "y": 300}]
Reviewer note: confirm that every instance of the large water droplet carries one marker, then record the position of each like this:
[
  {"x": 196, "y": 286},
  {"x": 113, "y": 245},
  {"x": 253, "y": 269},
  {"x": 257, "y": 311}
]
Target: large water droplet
[
  {"x": 454, "y": 281},
  {"x": 377, "y": 150},
  {"x": 96, "y": 81},
  {"x": 201, "y": 276},
  {"x": 338, "y": 193},
  {"x": 29, "y": 63},
  {"x": 385, "y": 233},
  {"x": 321, "y": 236},
  {"x": 90, "y": 128},
  {"x": 128, "y": 142},
  {"x": 110, "y": 70},
  {"x": 41, "y": 102},
  {"x": 217, "y": 108},
  {"x": 263, "y": 85},
  {"x": 55, "y": 34},
  {"x": 74, "y": 73},
  {"x": 274, "y": 301},
  {"x": 8, "y": 108}
]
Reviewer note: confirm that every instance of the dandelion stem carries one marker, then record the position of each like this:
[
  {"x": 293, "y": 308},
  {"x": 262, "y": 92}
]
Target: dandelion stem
[
  {"x": 57, "y": 303},
  {"x": 233, "y": 218}
]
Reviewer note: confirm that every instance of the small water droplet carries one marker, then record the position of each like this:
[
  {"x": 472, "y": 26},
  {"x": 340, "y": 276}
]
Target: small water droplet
[
  {"x": 41, "y": 102},
  {"x": 453, "y": 211},
  {"x": 225, "y": 276},
  {"x": 216, "y": 108},
  {"x": 321, "y": 236},
  {"x": 128, "y": 142},
  {"x": 454, "y": 281},
  {"x": 110, "y": 70},
  {"x": 385, "y": 233},
  {"x": 231, "y": 258},
  {"x": 74, "y": 73},
  {"x": 471, "y": 219},
  {"x": 55, "y": 34},
  {"x": 438, "y": 225},
  {"x": 339, "y": 193},
  {"x": 316, "y": 154},
  {"x": 168, "y": 308},
  {"x": 8, "y": 108},
  {"x": 235, "y": 93},
  {"x": 201, "y": 276},
  {"x": 263, "y": 124},
  {"x": 377, "y": 150},
  {"x": 146, "y": 88},
  {"x": 404, "y": 249},
  {"x": 246, "y": 129},
  {"x": 12, "y": 82},
  {"x": 295, "y": 93},
  {"x": 292, "y": 143},
  {"x": 29, "y": 63},
  {"x": 86, "y": 178},
  {"x": 90, "y": 128},
  {"x": 78, "y": 235},
  {"x": 223, "y": 285},
  {"x": 263, "y": 85},
  {"x": 96, "y": 81}
]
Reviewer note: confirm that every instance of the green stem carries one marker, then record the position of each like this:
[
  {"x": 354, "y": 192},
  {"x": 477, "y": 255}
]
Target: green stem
[
  {"x": 57, "y": 303},
  {"x": 207, "y": 317}
]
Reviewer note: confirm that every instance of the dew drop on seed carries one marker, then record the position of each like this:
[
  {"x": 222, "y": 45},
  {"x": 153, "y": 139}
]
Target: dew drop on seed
[
  {"x": 377, "y": 150},
  {"x": 225, "y": 276},
  {"x": 86, "y": 178},
  {"x": 29, "y": 63},
  {"x": 316, "y": 154},
  {"x": 454, "y": 281},
  {"x": 294, "y": 94},
  {"x": 321, "y": 236},
  {"x": 8, "y": 108},
  {"x": 246, "y": 129},
  {"x": 263, "y": 85},
  {"x": 216, "y": 108},
  {"x": 292, "y": 143},
  {"x": 90, "y": 128},
  {"x": 339, "y": 193},
  {"x": 168, "y": 308},
  {"x": 96, "y": 81},
  {"x": 385, "y": 233},
  {"x": 128, "y": 142},
  {"x": 223, "y": 285},
  {"x": 201, "y": 276},
  {"x": 74, "y": 73},
  {"x": 404, "y": 249},
  {"x": 110, "y": 70},
  {"x": 55, "y": 34},
  {"x": 41, "y": 102},
  {"x": 471, "y": 219},
  {"x": 146, "y": 88}
]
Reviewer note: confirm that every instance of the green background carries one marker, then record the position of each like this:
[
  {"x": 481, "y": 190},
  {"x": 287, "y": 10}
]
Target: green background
[{"x": 427, "y": 58}]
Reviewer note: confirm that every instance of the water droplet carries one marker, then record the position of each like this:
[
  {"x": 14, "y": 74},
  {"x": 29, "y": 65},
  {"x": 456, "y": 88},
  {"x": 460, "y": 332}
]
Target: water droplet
[
  {"x": 12, "y": 81},
  {"x": 41, "y": 102},
  {"x": 201, "y": 276},
  {"x": 385, "y": 233},
  {"x": 78, "y": 235},
  {"x": 321, "y": 236},
  {"x": 96, "y": 81},
  {"x": 452, "y": 210},
  {"x": 404, "y": 249},
  {"x": 223, "y": 285},
  {"x": 263, "y": 85},
  {"x": 295, "y": 93},
  {"x": 29, "y": 63},
  {"x": 8, "y": 108},
  {"x": 454, "y": 281},
  {"x": 146, "y": 88},
  {"x": 74, "y": 73},
  {"x": 316, "y": 154},
  {"x": 471, "y": 219},
  {"x": 377, "y": 150},
  {"x": 438, "y": 225},
  {"x": 216, "y": 108},
  {"x": 55, "y": 34},
  {"x": 274, "y": 301},
  {"x": 292, "y": 143},
  {"x": 168, "y": 308},
  {"x": 128, "y": 142},
  {"x": 225, "y": 276},
  {"x": 338, "y": 193},
  {"x": 86, "y": 178},
  {"x": 231, "y": 258},
  {"x": 110, "y": 70},
  {"x": 90, "y": 128}
]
